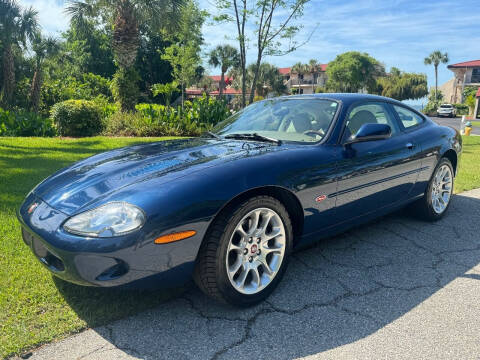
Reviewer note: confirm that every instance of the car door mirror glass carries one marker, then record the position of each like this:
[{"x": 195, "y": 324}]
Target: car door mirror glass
[{"x": 371, "y": 132}]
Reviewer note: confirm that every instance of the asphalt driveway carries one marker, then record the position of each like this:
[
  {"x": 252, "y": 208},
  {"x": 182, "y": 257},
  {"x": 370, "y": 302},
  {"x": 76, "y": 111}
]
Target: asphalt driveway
[
  {"x": 454, "y": 123},
  {"x": 397, "y": 288}
]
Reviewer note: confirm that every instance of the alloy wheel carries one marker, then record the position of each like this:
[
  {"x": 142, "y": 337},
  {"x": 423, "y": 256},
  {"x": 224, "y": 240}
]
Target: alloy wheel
[
  {"x": 256, "y": 250},
  {"x": 442, "y": 188}
]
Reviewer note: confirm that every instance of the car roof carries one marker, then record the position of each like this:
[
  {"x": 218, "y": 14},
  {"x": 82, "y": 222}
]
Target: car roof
[{"x": 346, "y": 97}]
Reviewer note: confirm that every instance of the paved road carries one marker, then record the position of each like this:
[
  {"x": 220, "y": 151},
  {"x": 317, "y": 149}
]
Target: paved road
[
  {"x": 397, "y": 289},
  {"x": 455, "y": 123}
]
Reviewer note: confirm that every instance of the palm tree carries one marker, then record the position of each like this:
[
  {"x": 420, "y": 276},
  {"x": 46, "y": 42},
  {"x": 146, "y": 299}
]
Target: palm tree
[
  {"x": 43, "y": 48},
  {"x": 16, "y": 26},
  {"x": 269, "y": 79},
  {"x": 314, "y": 69},
  {"x": 225, "y": 57},
  {"x": 127, "y": 16},
  {"x": 436, "y": 58},
  {"x": 299, "y": 69}
]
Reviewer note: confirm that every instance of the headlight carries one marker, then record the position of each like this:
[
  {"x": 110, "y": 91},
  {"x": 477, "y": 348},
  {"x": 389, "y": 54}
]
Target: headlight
[{"x": 111, "y": 219}]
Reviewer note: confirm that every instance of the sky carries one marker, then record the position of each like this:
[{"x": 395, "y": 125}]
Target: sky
[{"x": 398, "y": 33}]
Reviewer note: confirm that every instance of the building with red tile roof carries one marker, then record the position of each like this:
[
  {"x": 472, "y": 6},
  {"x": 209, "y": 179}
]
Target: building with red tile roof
[
  {"x": 466, "y": 73},
  {"x": 304, "y": 83}
]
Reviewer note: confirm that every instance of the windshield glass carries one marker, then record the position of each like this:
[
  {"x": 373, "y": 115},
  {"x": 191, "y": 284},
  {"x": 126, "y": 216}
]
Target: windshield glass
[{"x": 295, "y": 119}]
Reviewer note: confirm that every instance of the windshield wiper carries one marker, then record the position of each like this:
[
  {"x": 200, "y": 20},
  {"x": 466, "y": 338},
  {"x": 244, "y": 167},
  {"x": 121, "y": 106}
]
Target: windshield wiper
[
  {"x": 211, "y": 135},
  {"x": 253, "y": 136}
]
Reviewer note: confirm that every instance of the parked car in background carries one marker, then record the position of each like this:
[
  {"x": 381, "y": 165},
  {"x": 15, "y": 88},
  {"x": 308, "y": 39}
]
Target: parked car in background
[
  {"x": 446, "y": 110},
  {"x": 229, "y": 207}
]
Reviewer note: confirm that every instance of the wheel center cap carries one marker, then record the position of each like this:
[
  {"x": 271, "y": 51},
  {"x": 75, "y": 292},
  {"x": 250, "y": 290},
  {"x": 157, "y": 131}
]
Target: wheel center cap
[{"x": 254, "y": 248}]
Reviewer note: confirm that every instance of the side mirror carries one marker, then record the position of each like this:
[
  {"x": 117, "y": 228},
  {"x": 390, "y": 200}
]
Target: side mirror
[{"x": 371, "y": 132}]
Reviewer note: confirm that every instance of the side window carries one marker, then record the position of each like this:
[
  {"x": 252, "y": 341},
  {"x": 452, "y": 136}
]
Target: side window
[
  {"x": 408, "y": 118},
  {"x": 366, "y": 113}
]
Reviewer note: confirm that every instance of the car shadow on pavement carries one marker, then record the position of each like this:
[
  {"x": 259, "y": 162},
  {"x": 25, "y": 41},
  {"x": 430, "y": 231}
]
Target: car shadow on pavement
[{"x": 334, "y": 293}]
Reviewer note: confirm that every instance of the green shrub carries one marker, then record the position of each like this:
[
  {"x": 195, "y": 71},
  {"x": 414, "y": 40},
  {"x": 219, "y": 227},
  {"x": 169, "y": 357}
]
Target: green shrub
[
  {"x": 83, "y": 87},
  {"x": 208, "y": 110},
  {"x": 77, "y": 118},
  {"x": 24, "y": 123},
  {"x": 123, "y": 124},
  {"x": 157, "y": 120},
  {"x": 462, "y": 109}
]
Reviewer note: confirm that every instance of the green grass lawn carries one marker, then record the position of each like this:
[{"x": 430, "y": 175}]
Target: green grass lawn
[
  {"x": 36, "y": 308},
  {"x": 469, "y": 173},
  {"x": 476, "y": 123}
]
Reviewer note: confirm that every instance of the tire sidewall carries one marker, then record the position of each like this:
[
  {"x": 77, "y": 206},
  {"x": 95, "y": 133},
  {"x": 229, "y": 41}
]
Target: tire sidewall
[
  {"x": 428, "y": 196},
  {"x": 223, "y": 281}
]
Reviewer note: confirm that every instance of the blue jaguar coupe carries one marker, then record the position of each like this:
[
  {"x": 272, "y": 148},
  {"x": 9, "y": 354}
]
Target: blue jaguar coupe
[{"x": 229, "y": 207}]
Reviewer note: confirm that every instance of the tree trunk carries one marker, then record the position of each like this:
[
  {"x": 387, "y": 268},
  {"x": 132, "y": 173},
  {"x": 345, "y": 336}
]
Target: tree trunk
[
  {"x": 35, "y": 90},
  {"x": 255, "y": 77},
  {"x": 182, "y": 97},
  {"x": 244, "y": 86},
  {"x": 436, "y": 82},
  {"x": 222, "y": 84},
  {"x": 8, "y": 87},
  {"x": 125, "y": 43}
]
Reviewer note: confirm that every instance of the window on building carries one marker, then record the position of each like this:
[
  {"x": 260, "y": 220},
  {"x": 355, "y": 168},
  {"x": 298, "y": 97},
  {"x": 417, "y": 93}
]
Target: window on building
[{"x": 475, "y": 75}]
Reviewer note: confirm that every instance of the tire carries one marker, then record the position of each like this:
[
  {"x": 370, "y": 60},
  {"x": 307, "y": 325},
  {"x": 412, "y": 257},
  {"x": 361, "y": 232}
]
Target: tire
[
  {"x": 426, "y": 207},
  {"x": 224, "y": 247}
]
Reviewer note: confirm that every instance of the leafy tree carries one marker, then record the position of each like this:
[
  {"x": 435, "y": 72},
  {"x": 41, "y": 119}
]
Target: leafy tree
[
  {"x": 272, "y": 22},
  {"x": 151, "y": 67},
  {"x": 470, "y": 101},
  {"x": 269, "y": 80},
  {"x": 225, "y": 57},
  {"x": 184, "y": 53},
  {"x": 436, "y": 58},
  {"x": 88, "y": 48},
  {"x": 16, "y": 26},
  {"x": 127, "y": 16},
  {"x": 43, "y": 47},
  {"x": 403, "y": 86},
  {"x": 167, "y": 90},
  {"x": 183, "y": 59},
  {"x": 206, "y": 83},
  {"x": 434, "y": 101},
  {"x": 354, "y": 71}
]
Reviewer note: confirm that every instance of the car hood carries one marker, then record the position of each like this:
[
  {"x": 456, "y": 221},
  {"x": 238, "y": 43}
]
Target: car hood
[{"x": 75, "y": 187}]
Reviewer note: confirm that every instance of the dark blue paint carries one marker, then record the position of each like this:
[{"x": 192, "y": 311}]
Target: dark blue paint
[{"x": 184, "y": 184}]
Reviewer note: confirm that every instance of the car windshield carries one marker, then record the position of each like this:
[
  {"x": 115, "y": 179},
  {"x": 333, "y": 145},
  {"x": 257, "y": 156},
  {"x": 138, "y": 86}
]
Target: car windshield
[
  {"x": 446, "y": 106},
  {"x": 287, "y": 119}
]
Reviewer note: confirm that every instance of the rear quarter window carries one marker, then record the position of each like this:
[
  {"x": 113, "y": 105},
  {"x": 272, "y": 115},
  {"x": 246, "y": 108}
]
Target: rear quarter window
[{"x": 408, "y": 118}]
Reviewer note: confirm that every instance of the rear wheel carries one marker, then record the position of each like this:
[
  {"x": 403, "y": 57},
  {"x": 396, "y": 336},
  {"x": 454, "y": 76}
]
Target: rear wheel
[
  {"x": 436, "y": 200},
  {"x": 245, "y": 254}
]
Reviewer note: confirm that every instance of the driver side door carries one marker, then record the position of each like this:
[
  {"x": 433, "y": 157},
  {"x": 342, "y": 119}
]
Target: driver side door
[{"x": 373, "y": 174}]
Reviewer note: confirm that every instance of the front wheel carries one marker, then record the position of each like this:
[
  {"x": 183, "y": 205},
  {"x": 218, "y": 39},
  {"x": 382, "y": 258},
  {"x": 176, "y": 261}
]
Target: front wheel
[
  {"x": 434, "y": 204},
  {"x": 245, "y": 253}
]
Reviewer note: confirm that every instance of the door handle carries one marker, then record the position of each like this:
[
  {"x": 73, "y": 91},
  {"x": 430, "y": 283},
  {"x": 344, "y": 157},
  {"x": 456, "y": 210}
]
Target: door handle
[{"x": 409, "y": 145}]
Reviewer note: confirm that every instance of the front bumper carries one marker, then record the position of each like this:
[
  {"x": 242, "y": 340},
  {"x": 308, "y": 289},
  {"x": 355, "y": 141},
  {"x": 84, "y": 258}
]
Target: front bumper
[
  {"x": 444, "y": 113},
  {"x": 133, "y": 259}
]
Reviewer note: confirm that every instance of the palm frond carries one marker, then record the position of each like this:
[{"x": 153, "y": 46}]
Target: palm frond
[
  {"x": 29, "y": 23},
  {"x": 79, "y": 11}
]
